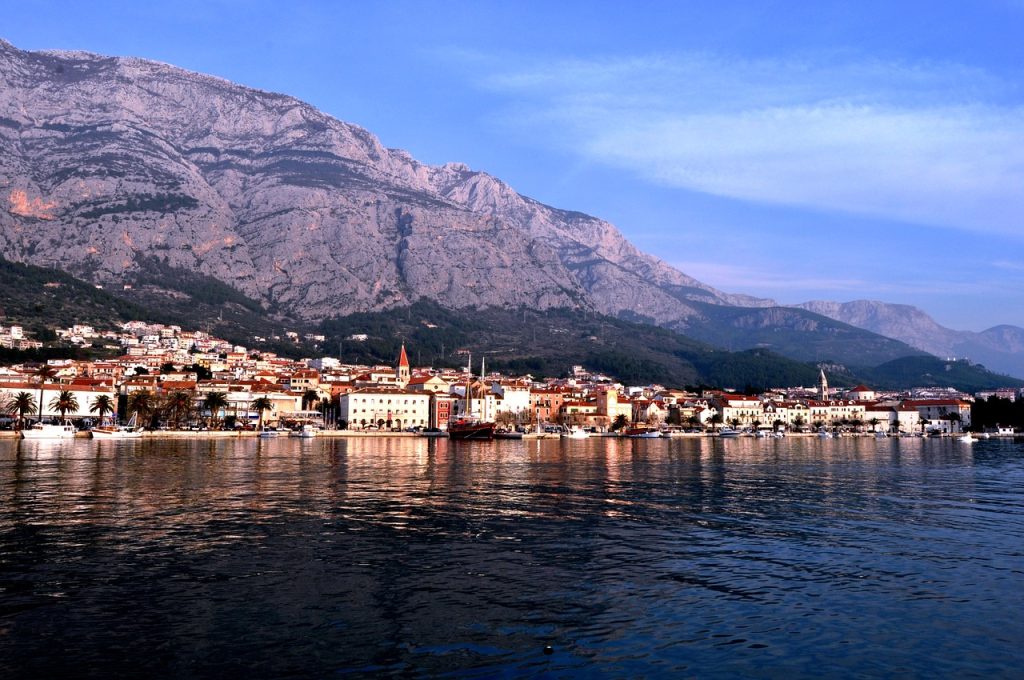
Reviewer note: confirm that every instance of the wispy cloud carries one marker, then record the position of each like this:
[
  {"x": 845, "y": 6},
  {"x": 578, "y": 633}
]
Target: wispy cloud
[{"x": 928, "y": 143}]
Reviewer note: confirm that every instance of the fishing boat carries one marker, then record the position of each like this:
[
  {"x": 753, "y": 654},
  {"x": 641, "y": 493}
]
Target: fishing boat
[
  {"x": 129, "y": 431},
  {"x": 643, "y": 433},
  {"x": 49, "y": 431}
]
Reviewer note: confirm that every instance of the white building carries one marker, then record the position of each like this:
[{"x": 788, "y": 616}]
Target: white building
[{"x": 385, "y": 407}]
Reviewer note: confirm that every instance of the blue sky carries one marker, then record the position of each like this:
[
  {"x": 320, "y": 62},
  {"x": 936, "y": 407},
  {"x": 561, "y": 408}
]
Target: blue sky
[{"x": 791, "y": 150}]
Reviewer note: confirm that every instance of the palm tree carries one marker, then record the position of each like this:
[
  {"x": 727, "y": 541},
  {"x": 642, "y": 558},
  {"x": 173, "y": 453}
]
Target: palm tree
[
  {"x": 798, "y": 422},
  {"x": 620, "y": 422},
  {"x": 142, "y": 404},
  {"x": 178, "y": 405},
  {"x": 44, "y": 372},
  {"x": 64, "y": 401},
  {"x": 102, "y": 405},
  {"x": 21, "y": 403},
  {"x": 261, "y": 405},
  {"x": 874, "y": 424},
  {"x": 214, "y": 403},
  {"x": 309, "y": 397}
]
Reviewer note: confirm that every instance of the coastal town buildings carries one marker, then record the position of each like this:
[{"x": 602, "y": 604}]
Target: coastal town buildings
[{"x": 162, "y": 361}]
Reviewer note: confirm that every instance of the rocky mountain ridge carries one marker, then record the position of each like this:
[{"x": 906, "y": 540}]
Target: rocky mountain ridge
[
  {"x": 1000, "y": 348},
  {"x": 109, "y": 159}
]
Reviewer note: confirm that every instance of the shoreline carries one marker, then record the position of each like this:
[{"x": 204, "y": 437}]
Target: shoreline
[{"x": 333, "y": 434}]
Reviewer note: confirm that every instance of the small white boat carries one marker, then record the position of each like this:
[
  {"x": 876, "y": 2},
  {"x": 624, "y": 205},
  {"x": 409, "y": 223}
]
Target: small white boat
[
  {"x": 968, "y": 438},
  {"x": 49, "y": 431},
  {"x": 728, "y": 432},
  {"x": 305, "y": 432},
  {"x": 881, "y": 435},
  {"x": 824, "y": 434},
  {"x": 269, "y": 432},
  {"x": 577, "y": 433}
]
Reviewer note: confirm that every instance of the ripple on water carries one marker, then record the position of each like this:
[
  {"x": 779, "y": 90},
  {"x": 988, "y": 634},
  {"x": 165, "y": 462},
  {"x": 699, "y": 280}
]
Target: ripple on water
[{"x": 683, "y": 557}]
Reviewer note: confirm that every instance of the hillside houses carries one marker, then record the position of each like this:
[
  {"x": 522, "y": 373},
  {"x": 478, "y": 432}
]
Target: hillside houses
[{"x": 161, "y": 361}]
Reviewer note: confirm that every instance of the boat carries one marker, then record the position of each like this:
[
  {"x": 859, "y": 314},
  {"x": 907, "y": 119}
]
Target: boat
[
  {"x": 728, "y": 432},
  {"x": 468, "y": 427},
  {"x": 507, "y": 434},
  {"x": 269, "y": 432},
  {"x": 579, "y": 433},
  {"x": 967, "y": 438},
  {"x": 129, "y": 431},
  {"x": 824, "y": 434},
  {"x": 643, "y": 433},
  {"x": 49, "y": 431},
  {"x": 307, "y": 431},
  {"x": 881, "y": 435},
  {"x": 432, "y": 432}
]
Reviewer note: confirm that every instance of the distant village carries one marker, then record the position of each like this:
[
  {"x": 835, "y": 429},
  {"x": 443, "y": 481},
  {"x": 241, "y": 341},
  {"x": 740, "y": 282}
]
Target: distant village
[{"x": 166, "y": 376}]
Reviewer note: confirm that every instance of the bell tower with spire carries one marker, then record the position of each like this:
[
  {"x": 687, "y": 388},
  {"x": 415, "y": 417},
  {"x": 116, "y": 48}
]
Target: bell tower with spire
[
  {"x": 402, "y": 373},
  {"x": 823, "y": 386}
]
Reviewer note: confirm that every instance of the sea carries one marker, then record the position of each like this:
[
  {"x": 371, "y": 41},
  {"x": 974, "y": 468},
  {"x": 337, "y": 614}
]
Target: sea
[{"x": 411, "y": 557}]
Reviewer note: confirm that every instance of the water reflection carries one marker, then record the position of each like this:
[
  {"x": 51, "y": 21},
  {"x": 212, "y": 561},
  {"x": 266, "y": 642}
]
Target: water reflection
[{"x": 396, "y": 556}]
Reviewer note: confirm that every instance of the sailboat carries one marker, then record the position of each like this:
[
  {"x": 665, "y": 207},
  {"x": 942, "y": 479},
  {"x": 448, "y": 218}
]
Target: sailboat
[
  {"x": 129, "y": 431},
  {"x": 468, "y": 427}
]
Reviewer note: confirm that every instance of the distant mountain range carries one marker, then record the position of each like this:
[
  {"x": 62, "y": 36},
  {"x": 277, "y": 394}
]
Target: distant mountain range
[
  {"x": 1000, "y": 348},
  {"x": 126, "y": 171}
]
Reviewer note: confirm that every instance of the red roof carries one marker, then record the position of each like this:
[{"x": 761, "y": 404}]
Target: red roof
[{"x": 403, "y": 360}]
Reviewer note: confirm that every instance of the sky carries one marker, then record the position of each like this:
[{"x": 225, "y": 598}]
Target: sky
[{"x": 791, "y": 150}]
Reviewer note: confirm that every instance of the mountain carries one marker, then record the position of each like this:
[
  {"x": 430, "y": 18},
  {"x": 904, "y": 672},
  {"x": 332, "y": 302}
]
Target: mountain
[
  {"x": 109, "y": 165},
  {"x": 543, "y": 342},
  {"x": 1000, "y": 348}
]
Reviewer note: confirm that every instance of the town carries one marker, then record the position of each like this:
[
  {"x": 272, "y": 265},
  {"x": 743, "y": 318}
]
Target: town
[{"x": 169, "y": 379}]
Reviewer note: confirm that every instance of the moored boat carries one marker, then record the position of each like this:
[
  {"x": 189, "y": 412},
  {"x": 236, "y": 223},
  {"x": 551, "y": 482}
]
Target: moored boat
[
  {"x": 470, "y": 429},
  {"x": 643, "y": 433},
  {"x": 49, "y": 431},
  {"x": 129, "y": 431}
]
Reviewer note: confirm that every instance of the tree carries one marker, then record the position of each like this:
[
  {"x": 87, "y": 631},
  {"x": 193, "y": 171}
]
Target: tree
[
  {"x": 64, "y": 401},
  {"x": 142, "y": 404},
  {"x": 734, "y": 422},
  {"x": 21, "y": 403},
  {"x": 178, "y": 406},
  {"x": 309, "y": 397},
  {"x": 716, "y": 419},
  {"x": 102, "y": 405},
  {"x": 43, "y": 372},
  {"x": 214, "y": 403},
  {"x": 262, "y": 405},
  {"x": 874, "y": 424},
  {"x": 693, "y": 421},
  {"x": 620, "y": 422},
  {"x": 798, "y": 423}
]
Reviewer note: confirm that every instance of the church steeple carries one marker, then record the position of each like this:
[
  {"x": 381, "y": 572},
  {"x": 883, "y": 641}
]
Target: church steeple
[
  {"x": 402, "y": 374},
  {"x": 823, "y": 386}
]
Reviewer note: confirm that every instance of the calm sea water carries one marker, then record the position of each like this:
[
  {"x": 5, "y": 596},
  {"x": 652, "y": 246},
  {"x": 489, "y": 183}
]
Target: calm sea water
[{"x": 671, "y": 558}]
